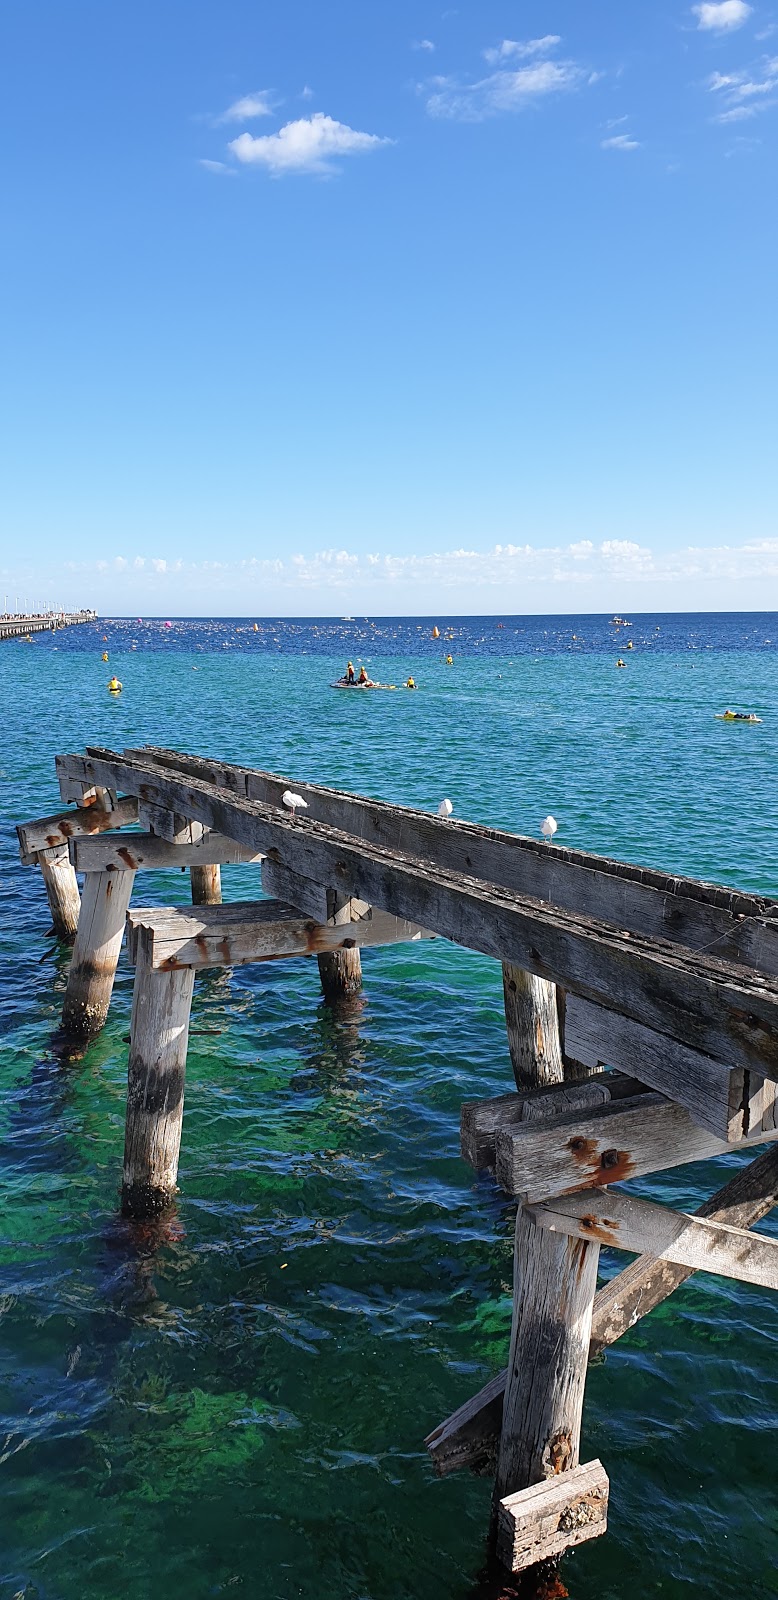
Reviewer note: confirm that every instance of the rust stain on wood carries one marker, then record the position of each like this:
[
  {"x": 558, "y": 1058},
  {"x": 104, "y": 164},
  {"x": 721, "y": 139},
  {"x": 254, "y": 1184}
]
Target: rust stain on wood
[
  {"x": 127, "y": 856},
  {"x": 602, "y": 1228},
  {"x": 557, "y": 1454},
  {"x": 610, "y": 1166}
]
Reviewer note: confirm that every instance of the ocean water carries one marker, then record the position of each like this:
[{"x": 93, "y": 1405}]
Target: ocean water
[{"x": 234, "y": 1400}]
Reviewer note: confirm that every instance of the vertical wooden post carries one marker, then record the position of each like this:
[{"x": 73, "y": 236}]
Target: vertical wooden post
[
  {"x": 340, "y": 970},
  {"x": 159, "y": 1033},
  {"x": 206, "y": 886},
  {"x": 535, "y": 1036},
  {"x": 96, "y": 952},
  {"x": 62, "y": 890},
  {"x": 554, "y": 1283}
]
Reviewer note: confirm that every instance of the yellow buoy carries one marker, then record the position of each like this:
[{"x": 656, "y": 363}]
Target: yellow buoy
[
  {"x": 436, "y": 633},
  {"x": 449, "y": 661},
  {"x": 105, "y": 655},
  {"x": 630, "y": 645}
]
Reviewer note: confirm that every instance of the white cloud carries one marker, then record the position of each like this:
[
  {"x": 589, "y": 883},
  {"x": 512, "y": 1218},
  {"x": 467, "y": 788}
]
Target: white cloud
[
  {"x": 219, "y": 167},
  {"x": 620, "y": 141},
  {"x": 248, "y": 107},
  {"x": 517, "y": 50},
  {"x": 423, "y": 44},
  {"x": 721, "y": 16},
  {"x": 306, "y": 92},
  {"x": 744, "y": 95},
  {"x": 502, "y": 90},
  {"x": 581, "y": 563},
  {"x": 307, "y": 145}
]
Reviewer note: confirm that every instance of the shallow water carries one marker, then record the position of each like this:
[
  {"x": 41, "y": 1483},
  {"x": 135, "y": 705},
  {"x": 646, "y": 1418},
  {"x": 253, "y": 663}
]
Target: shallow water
[{"x": 236, "y": 1400}]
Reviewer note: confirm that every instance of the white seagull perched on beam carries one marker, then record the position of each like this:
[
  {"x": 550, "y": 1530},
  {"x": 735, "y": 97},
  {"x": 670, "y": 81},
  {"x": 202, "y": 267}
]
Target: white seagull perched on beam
[
  {"x": 548, "y": 828},
  {"x": 293, "y": 802},
  {"x": 445, "y": 808}
]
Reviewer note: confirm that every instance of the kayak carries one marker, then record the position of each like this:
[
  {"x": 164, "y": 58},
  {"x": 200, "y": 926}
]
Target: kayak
[{"x": 736, "y": 716}]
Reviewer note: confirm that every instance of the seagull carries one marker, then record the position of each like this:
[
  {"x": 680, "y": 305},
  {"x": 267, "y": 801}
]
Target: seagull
[
  {"x": 293, "y": 802},
  {"x": 548, "y": 828},
  {"x": 445, "y": 808}
]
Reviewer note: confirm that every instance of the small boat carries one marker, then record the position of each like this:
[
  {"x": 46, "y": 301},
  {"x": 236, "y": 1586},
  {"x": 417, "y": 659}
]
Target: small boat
[
  {"x": 343, "y": 683},
  {"x": 737, "y": 716}
]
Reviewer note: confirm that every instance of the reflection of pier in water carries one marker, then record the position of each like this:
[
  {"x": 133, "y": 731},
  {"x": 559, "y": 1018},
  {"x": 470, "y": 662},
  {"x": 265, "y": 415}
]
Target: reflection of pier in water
[{"x": 642, "y": 1016}]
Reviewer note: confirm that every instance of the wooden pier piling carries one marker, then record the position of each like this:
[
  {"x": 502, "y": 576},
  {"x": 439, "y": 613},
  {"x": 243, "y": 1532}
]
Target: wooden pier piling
[
  {"x": 534, "y": 1034},
  {"x": 96, "y": 953},
  {"x": 554, "y": 1284},
  {"x": 159, "y": 1034},
  {"x": 206, "y": 885},
  {"x": 62, "y": 891},
  {"x": 340, "y": 971}
]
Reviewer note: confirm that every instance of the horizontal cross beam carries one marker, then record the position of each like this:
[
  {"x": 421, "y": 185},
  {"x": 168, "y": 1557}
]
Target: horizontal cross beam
[
  {"x": 603, "y": 1144},
  {"x": 49, "y": 832},
  {"x": 234, "y": 935},
  {"x": 624, "y": 1222},
  {"x": 133, "y": 852}
]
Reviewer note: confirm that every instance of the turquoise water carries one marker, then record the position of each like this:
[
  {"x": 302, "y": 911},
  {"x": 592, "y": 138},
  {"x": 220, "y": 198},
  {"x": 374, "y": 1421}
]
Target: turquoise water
[{"x": 235, "y": 1400}]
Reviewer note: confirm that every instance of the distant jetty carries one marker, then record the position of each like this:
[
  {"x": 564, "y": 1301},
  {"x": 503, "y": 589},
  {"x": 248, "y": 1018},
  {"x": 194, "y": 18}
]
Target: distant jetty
[{"x": 18, "y": 626}]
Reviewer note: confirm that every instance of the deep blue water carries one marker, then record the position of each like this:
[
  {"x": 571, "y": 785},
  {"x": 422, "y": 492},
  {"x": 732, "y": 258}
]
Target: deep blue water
[{"x": 237, "y": 1401}]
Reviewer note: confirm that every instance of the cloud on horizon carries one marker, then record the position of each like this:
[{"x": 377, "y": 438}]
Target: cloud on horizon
[{"x": 582, "y": 564}]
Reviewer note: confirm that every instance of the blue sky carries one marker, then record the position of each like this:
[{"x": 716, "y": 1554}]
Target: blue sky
[{"x": 379, "y": 306}]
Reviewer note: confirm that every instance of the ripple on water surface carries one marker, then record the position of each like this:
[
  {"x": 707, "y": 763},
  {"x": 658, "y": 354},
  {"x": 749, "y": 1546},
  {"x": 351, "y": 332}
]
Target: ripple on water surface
[{"x": 236, "y": 1397}]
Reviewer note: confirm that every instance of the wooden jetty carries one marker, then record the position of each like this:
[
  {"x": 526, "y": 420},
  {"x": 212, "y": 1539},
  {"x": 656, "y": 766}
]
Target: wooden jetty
[
  {"x": 642, "y": 1017},
  {"x": 20, "y": 625}
]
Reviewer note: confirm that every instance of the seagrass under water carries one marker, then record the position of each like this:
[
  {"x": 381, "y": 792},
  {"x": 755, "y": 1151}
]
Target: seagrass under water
[{"x": 238, "y": 1401}]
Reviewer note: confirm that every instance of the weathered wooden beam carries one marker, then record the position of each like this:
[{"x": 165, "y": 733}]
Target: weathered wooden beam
[
  {"x": 168, "y": 824},
  {"x": 543, "y": 1521},
  {"x": 626, "y": 1223},
  {"x": 703, "y": 916},
  {"x": 482, "y": 1120},
  {"x": 96, "y": 953},
  {"x": 724, "y": 1010},
  {"x": 553, "y": 1293},
  {"x": 469, "y": 1437},
  {"x": 532, "y": 1022},
  {"x": 87, "y": 794},
  {"x": 243, "y": 932},
  {"x": 123, "y": 852},
  {"x": 302, "y": 893},
  {"x": 606, "y": 1144},
  {"x": 732, "y": 1104},
  {"x": 645, "y": 1283},
  {"x": 47, "y": 833},
  {"x": 62, "y": 891},
  {"x": 159, "y": 1032}
]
